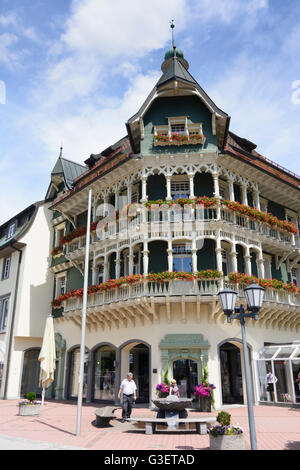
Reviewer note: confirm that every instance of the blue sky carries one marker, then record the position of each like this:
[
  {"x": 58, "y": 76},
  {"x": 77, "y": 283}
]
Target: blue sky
[{"x": 76, "y": 70}]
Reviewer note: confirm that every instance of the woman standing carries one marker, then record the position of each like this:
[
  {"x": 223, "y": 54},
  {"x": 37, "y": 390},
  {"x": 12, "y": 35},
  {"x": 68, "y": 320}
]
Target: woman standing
[{"x": 174, "y": 390}]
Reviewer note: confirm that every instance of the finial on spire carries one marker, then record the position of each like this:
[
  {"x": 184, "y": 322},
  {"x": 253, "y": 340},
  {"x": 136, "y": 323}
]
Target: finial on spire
[
  {"x": 60, "y": 150},
  {"x": 172, "y": 27}
]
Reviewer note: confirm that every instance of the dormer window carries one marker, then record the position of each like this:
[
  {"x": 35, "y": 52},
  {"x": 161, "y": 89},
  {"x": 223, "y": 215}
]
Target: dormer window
[{"x": 178, "y": 131}]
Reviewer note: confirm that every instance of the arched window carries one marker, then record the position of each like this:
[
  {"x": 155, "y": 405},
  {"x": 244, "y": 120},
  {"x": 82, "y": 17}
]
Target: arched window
[{"x": 74, "y": 373}]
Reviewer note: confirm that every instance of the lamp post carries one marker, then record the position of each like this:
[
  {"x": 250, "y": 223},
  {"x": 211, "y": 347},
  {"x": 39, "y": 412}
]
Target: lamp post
[{"x": 254, "y": 297}]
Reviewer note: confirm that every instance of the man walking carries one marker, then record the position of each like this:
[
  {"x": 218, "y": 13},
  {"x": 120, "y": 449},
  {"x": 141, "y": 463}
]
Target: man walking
[{"x": 128, "y": 389}]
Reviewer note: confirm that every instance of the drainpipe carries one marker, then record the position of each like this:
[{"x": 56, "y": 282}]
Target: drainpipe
[{"x": 12, "y": 322}]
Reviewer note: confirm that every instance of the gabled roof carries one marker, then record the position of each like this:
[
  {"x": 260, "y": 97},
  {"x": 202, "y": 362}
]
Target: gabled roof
[
  {"x": 64, "y": 171},
  {"x": 175, "y": 69},
  {"x": 68, "y": 169}
]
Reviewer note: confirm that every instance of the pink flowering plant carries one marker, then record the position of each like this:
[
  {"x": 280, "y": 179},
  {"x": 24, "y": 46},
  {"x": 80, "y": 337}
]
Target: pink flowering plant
[
  {"x": 205, "y": 389},
  {"x": 163, "y": 389}
]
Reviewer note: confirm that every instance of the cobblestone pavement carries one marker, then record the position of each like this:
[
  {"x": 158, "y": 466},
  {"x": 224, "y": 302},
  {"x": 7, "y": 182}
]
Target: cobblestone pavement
[{"x": 277, "y": 428}]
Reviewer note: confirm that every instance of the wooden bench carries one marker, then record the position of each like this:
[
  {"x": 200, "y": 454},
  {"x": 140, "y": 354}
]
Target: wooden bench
[
  {"x": 150, "y": 423},
  {"x": 104, "y": 415}
]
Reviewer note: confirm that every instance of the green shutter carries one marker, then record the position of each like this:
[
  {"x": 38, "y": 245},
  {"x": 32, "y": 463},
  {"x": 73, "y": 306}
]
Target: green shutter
[
  {"x": 203, "y": 185},
  {"x": 158, "y": 257},
  {"x": 156, "y": 187},
  {"x": 206, "y": 256}
]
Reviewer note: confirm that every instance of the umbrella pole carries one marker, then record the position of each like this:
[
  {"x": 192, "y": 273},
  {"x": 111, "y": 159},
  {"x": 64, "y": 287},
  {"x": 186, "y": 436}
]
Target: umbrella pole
[
  {"x": 43, "y": 396},
  {"x": 83, "y": 318}
]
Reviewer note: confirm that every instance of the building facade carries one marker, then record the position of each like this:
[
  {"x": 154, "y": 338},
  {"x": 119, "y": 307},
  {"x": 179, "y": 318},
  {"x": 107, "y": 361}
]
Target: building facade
[
  {"x": 181, "y": 207},
  {"x": 26, "y": 289}
]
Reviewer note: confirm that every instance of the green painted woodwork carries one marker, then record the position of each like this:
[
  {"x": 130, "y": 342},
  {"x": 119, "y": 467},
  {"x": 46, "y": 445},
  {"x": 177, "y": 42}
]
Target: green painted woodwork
[
  {"x": 203, "y": 184},
  {"x": 253, "y": 264},
  {"x": 189, "y": 106},
  {"x": 170, "y": 53},
  {"x": 284, "y": 273},
  {"x": 276, "y": 209},
  {"x": 184, "y": 346},
  {"x": 276, "y": 273},
  {"x": 58, "y": 260},
  {"x": 250, "y": 199},
  {"x": 240, "y": 258},
  {"x": 112, "y": 266},
  {"x": 156, "y": 187},
  {"x": 158, "y": 257},
  {"x": 237, "y": 193},
  {"x": 74, "y": 279},
  {"x": 206, "y": 256},
  {"x": 82, "y": 219}
]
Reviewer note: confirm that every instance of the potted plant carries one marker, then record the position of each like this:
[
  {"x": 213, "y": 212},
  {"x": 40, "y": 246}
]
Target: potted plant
[
  {"x": 224, "y": 436},
  {"x": 29, "y": 407},
  {"x": 204, "y": 393},
  {"x": 162, "y": 390}
]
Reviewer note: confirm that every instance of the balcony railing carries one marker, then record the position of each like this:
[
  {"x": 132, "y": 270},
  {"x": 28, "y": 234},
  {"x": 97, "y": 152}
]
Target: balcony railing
[
  {"x": 182, "y": 288},
  {"x": 161, "y": 223}
]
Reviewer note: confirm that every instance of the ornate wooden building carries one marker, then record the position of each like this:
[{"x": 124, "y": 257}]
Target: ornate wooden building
[{"x": 181, "y": 207}]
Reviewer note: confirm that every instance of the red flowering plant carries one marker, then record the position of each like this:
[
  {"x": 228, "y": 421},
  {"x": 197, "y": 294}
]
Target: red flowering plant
[
  {"x": 134, "y": 279},
  {"x": 245, "y": 279},
  {"x": 260, "y": 216}
]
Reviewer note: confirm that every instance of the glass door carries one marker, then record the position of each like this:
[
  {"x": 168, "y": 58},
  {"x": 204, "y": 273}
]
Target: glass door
[{"x": 185, "y": 372}]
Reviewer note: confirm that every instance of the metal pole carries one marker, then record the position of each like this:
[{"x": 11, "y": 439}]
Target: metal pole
[
  {"x": 83, "y": 319},
  {"x": 248, "y": 383}
]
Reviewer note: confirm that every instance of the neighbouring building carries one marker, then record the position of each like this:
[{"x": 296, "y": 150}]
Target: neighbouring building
[
  {"x": 181, "y": 207},
  {"x": 26, "y": 289}
]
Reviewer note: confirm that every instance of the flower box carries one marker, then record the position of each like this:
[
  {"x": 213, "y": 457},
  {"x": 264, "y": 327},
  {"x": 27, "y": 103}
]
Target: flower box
[
  {"x": 227, "y": 442},
  {"x": 26, "y": 409}
]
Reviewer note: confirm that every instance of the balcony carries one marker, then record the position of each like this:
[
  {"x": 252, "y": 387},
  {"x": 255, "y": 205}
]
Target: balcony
[
  {"x": 131, "y": 304},
  {"x": 188, "y": 223}
]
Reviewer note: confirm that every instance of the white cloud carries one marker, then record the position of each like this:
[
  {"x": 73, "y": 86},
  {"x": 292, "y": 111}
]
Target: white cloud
[{"x": 7, "y": 56}]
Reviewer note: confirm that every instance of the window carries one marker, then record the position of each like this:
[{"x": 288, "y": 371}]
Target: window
[
  {"x": 267, "y": 266},
  {"x": 59, "y": 236},
  {"x": 182, "y": 258},
  {"x": 177, "y": 129},
  {"x": 222, "y": 191},
  {"x": 294, "y": 276},
  {"x": 180, "y": 189},
  {"x": 136, "y": 262},
  {"x": 11, "y": 230},
  {"x": 3, "y": 314},
  {"x": 6, "y": 268},
  {"x": 224, "y": 262},
  {"x": 61, "y": 285},
  {"x": 100, "y": 274}
]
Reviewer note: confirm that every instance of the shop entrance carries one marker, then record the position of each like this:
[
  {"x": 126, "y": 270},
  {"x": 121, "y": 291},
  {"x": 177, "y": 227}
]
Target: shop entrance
[
  {"x": 231, "y": 374},
  {"x": 135, "y": 358},
  {"x": 185, "y": 372}
]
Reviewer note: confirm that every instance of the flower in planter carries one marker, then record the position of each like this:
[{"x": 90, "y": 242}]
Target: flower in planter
[
  {"x": 224, "y": 427},
  {"x": 163, "y": 389}
]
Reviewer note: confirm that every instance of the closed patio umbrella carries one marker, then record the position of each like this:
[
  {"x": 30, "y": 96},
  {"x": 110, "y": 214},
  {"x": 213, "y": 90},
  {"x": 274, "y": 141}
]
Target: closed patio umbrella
[{"x": 47, "y": 357}]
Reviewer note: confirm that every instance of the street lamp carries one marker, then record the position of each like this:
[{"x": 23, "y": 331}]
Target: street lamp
[{"x": 254, "y": 296}]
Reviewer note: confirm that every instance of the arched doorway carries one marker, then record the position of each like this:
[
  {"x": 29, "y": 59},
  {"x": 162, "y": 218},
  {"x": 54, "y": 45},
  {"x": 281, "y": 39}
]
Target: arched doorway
[
  {"x": 135, "y": 358},
  {"x": 185, "y": 372},
  {"x": 104, "y": 373},
  {"x": 31, "y": 373},
  {"x": 231, "y": 363}
]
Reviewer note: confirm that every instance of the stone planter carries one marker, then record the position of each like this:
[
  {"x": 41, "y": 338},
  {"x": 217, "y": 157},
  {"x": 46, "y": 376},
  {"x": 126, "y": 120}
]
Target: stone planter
[
  {"x": 205, "y": 404},
  {"x": 227, "y": 442},
  {"x": 29, "y": 410}
]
